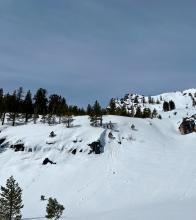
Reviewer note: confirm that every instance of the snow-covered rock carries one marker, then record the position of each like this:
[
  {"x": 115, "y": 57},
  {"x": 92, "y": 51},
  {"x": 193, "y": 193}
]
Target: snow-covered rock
[{"x": 183, "y": 99}]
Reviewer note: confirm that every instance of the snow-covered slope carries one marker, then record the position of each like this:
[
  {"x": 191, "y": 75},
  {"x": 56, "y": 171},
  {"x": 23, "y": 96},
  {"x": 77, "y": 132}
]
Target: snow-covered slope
[
  {"x": 144, "y": 174},
  {"x": 182, "y": 99}
]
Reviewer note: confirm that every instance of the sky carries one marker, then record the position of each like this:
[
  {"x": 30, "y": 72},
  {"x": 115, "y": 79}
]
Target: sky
[{"x": 98, "y": 49}]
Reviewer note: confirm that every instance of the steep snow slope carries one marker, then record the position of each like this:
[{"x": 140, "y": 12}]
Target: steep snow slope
[{"x": 151, "y": 175}]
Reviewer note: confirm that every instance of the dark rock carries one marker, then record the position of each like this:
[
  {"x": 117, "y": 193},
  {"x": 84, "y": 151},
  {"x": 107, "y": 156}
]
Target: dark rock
[
  {"x": 96, "y": 147},
  {"x": 2, "y": 140},
  {"x": 52, "y": 134},
  {"x": 110, "y": 135},
  {"x": 18, "y": 147},
  {"x": 74, "y": 151},
  {"x": 187, "y": 126},
  {"x": 49, "y": 143},
  {"x": 133, "y": 127},
  {"x": 46, "y": 161}
]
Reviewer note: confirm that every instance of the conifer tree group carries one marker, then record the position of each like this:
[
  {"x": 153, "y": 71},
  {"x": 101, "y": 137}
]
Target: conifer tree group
[
  {"x": 22, "y": 107},
  {"x": 168, "y": 106}
]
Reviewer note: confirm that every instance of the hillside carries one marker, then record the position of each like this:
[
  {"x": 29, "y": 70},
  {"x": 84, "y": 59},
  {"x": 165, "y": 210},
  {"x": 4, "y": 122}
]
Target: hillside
[
  {"x": 146, "y": 173},
  {"x": 183, "y": 99}
]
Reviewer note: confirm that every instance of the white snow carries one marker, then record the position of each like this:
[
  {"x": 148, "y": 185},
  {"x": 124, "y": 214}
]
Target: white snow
[{"x": 151, "y": 175}]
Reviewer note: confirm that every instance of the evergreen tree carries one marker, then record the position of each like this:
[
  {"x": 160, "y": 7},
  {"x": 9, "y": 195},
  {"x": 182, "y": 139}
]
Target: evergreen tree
[
  {"x": 166, "y": 106},
  {"x": 158, "y": 102},
  {"x": 172, "y": 105},
  {"x": 2, "y": 107},
  {"x": 54, "y": 102},
  {"x": 154, "y": 113},
  {"x": 146, "y": 113},
  {"x": 41, "y": 101},
  {"x": 1, "y": 103},
  {"x": 54, "y": 210},
  {"x": 123, "y": 111},
  {"x": 35, "y": 115},
  {"x": 96, "y": 115},
  {"x": 136, "y": 101},
  {"x": 89, "y": 110},
  {"x": 194, "y": 102},
  {"x": 132, "y": 113},
  {"x": 13, "y": 107},
  {"x": 62, "y": 108},
  {"x": 27, "y": 106},
  {"x": 112, "y": 107},
  {"x": 138, "y": 113},
  {"x": 149, "y": 99},
  {"x": 11, "y": 200},
  {"x": 143, "y": 100}
]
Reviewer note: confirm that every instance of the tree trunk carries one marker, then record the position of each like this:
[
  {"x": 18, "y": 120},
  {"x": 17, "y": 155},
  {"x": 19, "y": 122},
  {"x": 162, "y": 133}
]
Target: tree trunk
[
  {"x": 3, "y": 118},
  {"x": 14, "y": 119}
]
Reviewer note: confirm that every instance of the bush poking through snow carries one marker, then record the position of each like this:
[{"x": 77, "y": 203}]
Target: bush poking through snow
[
  {"x": 43, "y": 198},
  {"x": 11, "y": 200},
  {"x": 54, "y": 210}
]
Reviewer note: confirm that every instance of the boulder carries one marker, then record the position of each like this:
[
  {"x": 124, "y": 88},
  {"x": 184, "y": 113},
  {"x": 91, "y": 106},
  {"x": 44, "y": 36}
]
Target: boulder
[
  {"x": 18, "y": 147},
  {"x": 2, "y": 140},
  {"x": 187, "y": 126},
  {"x": 74, "y": 151},
  {"x": 96, "y": 147},
  {"x": 52, "y": 134},
  {"x": 46, "y": 161}
]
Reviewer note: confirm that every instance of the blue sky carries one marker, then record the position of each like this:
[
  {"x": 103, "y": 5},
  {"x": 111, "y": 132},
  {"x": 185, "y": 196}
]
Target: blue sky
[{"x": 98, "y": 49}]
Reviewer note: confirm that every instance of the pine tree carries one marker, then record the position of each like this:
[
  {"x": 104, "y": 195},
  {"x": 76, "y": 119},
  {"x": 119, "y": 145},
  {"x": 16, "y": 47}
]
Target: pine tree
[
  {"x": 154, "y": 113},
  {"x": 1, "y": 103},
  {"x": 166, "y": 106},
  {"x": 35, "y": 115},
  {"x": 138, "y": 113},
  {"x": 96, "y": 115},
  {"x": 112, "y": 107},
  {"x": 11, "y": 200},
  {"x": 123, "y": 111},
  {"x": 149, "y": 99},
  {"x": 27, "y": 106},
  {"x": 158, "y": 102},
  {"x": 143, "y": 100},
  {"x": 54, "y": 102},
  {"x": 13, "y": 107},
  {"x": 136, "y": 101},
  {"x": 54, "y": 210},
  {"x": 2, "y": 107},
  {"x": 132, "y": 113},
  {"x": 146, "y": 113},
  {"x": 62, "y": 109},
  {"x": 41, "y": 101},
  {"x": 172, "y": 105},
  {"x": 89, "y": 110}
]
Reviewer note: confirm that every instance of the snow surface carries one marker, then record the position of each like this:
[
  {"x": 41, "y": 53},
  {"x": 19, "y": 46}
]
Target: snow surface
[{"x": 151, "y": 175}]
